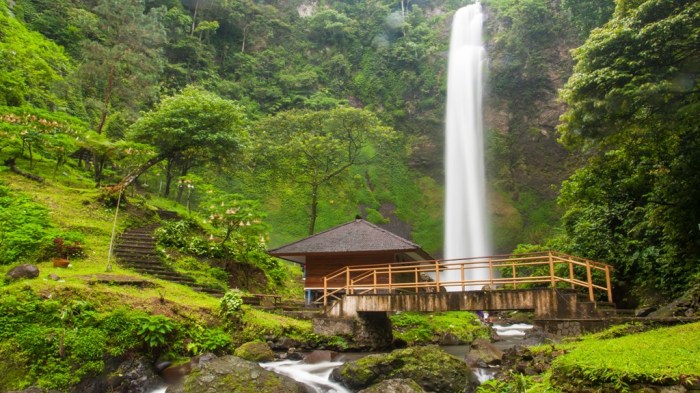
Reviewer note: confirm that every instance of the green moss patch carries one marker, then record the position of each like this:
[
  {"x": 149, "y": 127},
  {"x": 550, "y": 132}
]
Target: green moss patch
[{"x": 420, "y": 329}]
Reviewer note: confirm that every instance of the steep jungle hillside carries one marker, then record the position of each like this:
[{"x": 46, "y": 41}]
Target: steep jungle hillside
[{"x": 385, "y": 57}]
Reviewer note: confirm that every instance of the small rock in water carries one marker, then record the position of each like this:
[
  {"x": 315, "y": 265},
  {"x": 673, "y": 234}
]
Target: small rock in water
[
  {"x": 449, "y": 339},
  {"x": 293, "y": 354},
  {"x": 483, "y": 354},
  {"x": 320, "y": 356}
]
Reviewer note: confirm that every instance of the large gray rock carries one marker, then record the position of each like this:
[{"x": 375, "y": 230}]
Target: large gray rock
[
  {"x": 394, "y": 386},
  {"x": 430, "y": 367},
  {"x": 23, "y": 271},
  {"x": 482, "y": 354},
  {"x": 133, "y": 375},
  {"x": 230, "y": 374}
]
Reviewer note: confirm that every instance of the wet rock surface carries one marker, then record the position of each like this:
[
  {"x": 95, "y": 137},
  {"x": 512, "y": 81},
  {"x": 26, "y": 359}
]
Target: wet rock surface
[
  {"x": 483, "y": 354},
  {"x": 394, "y": 386},
  {"x": 230, "y": 374},
  {"x": 430, "y": 367},
  {"x": 134, "y": 375}
]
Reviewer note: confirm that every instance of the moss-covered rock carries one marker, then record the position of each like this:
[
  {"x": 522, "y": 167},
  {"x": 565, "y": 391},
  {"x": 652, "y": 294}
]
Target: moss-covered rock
[
  {"x": 230, "y": 374},
  {"x": 255, "y": 351},
  {"x": 430, "y": 367},
  {"x": 394, "y": 386}
]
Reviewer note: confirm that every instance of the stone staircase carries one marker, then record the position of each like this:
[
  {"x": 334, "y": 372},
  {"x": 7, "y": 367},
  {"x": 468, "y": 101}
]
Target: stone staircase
[{"x": 136, "y": 249}]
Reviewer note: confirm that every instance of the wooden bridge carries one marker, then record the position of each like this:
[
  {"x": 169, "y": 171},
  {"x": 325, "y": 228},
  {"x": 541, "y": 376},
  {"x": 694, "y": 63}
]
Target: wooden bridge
[
  {"x": 568, "y": 295},
  {"x": 514, "y": 271}
]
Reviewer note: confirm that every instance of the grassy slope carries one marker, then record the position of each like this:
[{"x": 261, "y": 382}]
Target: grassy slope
[
  {"x": 665, "y": 356},
  {"x": 72, "y": 202},
  {"x": 614, "y": 361}
]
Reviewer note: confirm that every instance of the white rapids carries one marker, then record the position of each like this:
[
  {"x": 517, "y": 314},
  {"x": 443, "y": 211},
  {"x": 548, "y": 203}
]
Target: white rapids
[{"x": 313, "y": 376}]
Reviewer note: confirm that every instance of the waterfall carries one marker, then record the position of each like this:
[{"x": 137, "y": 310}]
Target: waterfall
[{"x": 466, "y": 227}]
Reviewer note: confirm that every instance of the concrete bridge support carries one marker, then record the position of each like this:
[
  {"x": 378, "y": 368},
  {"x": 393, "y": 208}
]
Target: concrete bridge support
[{"x": 369, "y": 330}]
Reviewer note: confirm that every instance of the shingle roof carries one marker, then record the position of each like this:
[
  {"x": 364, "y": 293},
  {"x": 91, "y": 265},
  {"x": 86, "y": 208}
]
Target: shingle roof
[{"x": 354, "y": 236}]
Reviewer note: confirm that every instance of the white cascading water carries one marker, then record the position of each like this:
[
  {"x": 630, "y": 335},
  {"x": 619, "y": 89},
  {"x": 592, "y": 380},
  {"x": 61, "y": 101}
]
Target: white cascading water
[{"x": 466, "y": 227}]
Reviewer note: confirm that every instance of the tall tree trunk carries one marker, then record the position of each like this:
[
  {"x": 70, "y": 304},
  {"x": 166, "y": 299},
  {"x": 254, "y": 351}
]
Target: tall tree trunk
[
  {"x": 314, "y": 208},
  {"x": 183, "y": 172},
  {"x": 108, "y": 98},
  {"x": 168, "y": 177},
  {"x": 194, "y": 17}
]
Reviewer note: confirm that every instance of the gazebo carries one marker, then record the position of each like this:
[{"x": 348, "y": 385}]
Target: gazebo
[{"x": 357, "y": 242}]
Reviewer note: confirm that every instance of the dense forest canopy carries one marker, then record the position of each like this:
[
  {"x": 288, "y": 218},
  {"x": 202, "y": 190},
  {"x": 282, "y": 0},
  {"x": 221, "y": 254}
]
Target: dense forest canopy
[{"x": 232, "y": 95}]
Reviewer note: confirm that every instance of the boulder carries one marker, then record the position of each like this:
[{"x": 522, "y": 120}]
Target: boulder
[
  {"x": 255, "y": 351},
  {"x": 230, "y": 374},
  {"x": 23, "y": 271},
  {"x": 394, "y": 386},
  {"x": 131, "y": 375},
  {"x": 430, "y": 367},
  {"x": 320, "y": 356},
  {"x": 483, "y": 354},
  {"x": 450, "y": 339},
  {"x": 293, "y": 354}
]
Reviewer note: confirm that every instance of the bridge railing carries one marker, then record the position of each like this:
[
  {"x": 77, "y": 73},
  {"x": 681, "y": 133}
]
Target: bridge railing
[{"x": 550, "y": 268}]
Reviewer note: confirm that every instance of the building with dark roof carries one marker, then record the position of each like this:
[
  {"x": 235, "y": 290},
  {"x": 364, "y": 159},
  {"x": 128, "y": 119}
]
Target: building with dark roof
[{"x": 357, "y": 242}]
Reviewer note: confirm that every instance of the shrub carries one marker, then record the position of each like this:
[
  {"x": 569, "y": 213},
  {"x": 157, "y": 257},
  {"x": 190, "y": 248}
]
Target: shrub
[
  {"x": 209, "y": 340},
  {"x": 231, "y": 303},
  {"x": 155, "y": 330}
]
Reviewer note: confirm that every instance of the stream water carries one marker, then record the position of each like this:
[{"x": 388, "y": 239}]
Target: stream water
[{"x": 316, "y": 377}]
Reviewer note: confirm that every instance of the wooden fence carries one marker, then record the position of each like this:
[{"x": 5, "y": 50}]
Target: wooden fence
[{"x": 512, "y": 271}]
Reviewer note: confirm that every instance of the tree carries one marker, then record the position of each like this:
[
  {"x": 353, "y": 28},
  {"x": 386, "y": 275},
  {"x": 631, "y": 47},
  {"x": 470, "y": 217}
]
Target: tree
[
  {"x": 195, "y": 124},
  {"x": 121, "y": 67},
  {"x": 31, "y": 66},
  {"x": 314, "y": 148},
  {"x": 633, "y": 103}
]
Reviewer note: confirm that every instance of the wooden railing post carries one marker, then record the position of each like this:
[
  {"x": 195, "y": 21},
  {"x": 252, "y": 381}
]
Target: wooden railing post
[
  {"x": 374, "y": 281},
  {"x": 589, "y": 278},
  {"x": 515, "y": 282},
  {"x": 491, "y": 273},
  {"x": 607, "y": 283},
  {"x": 437, "y": 276},
  {"x": 325, "y": 291},
  {"x": 390, "y": 279},
  {"x": 571, "y": 273},
  {"x": 551, "y": 269},
  {"x": 347, "y": 281},
  {"x": 415, "y": 271}
]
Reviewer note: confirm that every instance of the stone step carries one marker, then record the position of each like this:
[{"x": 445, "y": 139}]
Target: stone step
[
  {"x": 136, "y": 252},
  {"x": 136, "y": 245},
  {"x": 140, "y": 258},
  {"x": 136, "y": 236},
  {"x": 168, "y": 215}
]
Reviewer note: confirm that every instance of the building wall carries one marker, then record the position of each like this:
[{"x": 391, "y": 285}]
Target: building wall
[{"x": 318, "y": 266}]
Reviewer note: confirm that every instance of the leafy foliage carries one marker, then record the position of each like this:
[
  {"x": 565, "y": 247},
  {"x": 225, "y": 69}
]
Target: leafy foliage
[
  {"x": 632, "y": 102},
  {"x": 420, "y": 329},
  {"x": 31, "y": 66}
]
